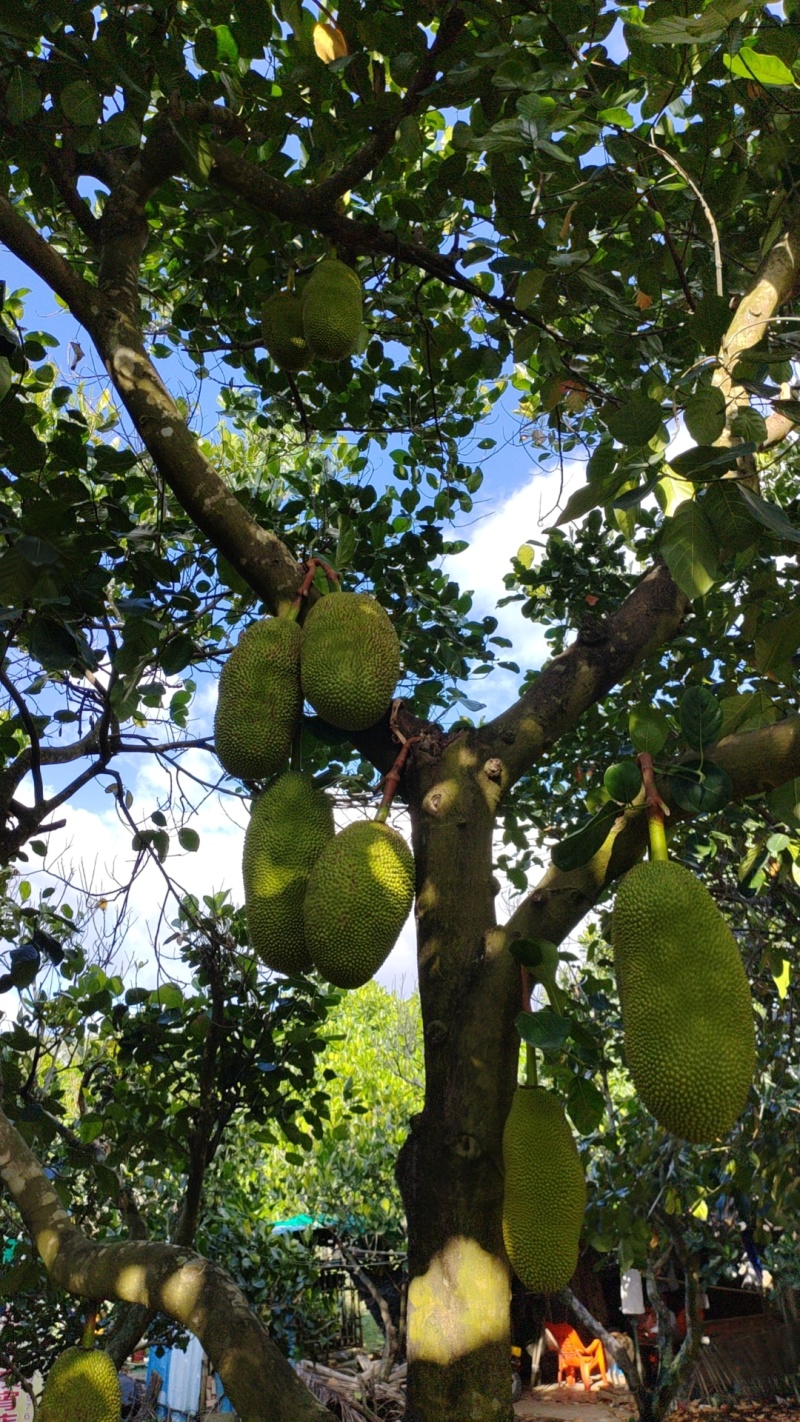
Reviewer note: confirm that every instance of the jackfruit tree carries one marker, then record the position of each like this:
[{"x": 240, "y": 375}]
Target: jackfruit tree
[{"x": 567, "y": 225}]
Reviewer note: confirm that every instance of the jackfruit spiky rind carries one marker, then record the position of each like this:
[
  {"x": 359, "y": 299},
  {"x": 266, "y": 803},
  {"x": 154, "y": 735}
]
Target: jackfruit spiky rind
[
  {"x": 289, "y": 827},
  {"x": 350, "y": 660},
  {"x": 81, "y": 1386},
  {"x": 686, "y": 1009},
  {"x": 260, "y": 701},
  {"x": 544, "y": 1194},
  {"x": 359, "y": 895},
  {"x": 333, "y": 309},
  {"x": 282, "y": 331}
]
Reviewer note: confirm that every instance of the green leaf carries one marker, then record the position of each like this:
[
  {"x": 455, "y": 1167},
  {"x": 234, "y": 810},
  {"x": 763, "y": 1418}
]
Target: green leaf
[
  {"x": 776, "y": 641},
  {"x": 23, "y": 96},
  {"x": 346, "y": 542},
  {"x": 733, "y": 527},
  {"x": 707, "y": 461},
  {"x": 648, "y": 728},
  {"x": 704, "y": 415},
  {"x": 763, "y": 68},
  {"x": 710, "y": 322},
  {"x": 6, "y": 377},
  {"x": 585, "y": 1105},
  {"x": 699, "y": 786},
  {"x": 80, "y": 102},
  {"x": 749, "y": 424},
  {"x": 579, "y": 503},
  {"x": 784, "y": 803},
  {"x": 623, "y": 781},
  {"x": 121, "y": 131},
  {"x": 701, "y": 717},
  {"x": 690, "y": 549},
  {"x": 528, "y": 288},
  {"x": 790, "y": 409},
  {"x": 543, "y": 1029},
  {"x": 188, "y": 839},
  {"x": 582, "y": 845},
  {"x": 617, "y": 116},
  {"x": 636, "y": 422},
  {"x": 769, "y": 515},
  {"x": 536, "y": 954}
]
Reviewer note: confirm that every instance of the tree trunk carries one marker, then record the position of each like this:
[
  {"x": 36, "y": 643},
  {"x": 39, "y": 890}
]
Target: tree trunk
[{"x": 450, "y": 1168}]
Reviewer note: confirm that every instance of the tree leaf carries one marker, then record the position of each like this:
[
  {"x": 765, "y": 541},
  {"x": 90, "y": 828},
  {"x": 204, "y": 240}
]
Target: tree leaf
[
  {"x": 329, "y": 42},
  {"x": 749, "y": 424},
  {"x": 784, "y": 803},
  {"x": 710, "y": 321},
  {"x": 623, "y": 781},
  {"x": 704, "y": 415},
  {"x": 637, "y": 421},
  {"x": 776, "y": 641},
  {"x": 707, "y": 461},
  {"x": 80, "y": 102},
  {"x": 699, "y": 786},
  {"x": 701, "y": 717},
  {"x": 769, "y": 515},
  {"x": 581, "y": 846},
  {"x": 188, "y": 839},
  {"x": 585, "y": 1105},
  {"x": 690, "y": 549},
  {"x": 763, "y": 68},
  {"x": 543, "y": 1029},
  {"x": 23, "y": 96},
  {"x": 648, "y": 728},
  {"x": 730, "y": 519}
]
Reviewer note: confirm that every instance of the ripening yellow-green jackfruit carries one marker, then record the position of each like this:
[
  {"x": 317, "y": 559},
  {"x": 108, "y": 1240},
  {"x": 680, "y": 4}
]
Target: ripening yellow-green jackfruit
[
  {"x": 333, "y": 307},
  {"x": 282, "y": 331},
  {"x": 685, "y": 998},
  {"x": 81, "y": 1386},
  {"x": 349, "y": 660},
  {"x": 260, "y": 701},
  {"x": 289, "y": 827},
  {"x": 544, "y": 1193},
  {"x": 359, "y": 894}
]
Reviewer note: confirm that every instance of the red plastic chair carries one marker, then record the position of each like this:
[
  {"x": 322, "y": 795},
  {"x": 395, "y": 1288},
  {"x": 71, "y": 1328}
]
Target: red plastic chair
[{"x": 575, "y": 1356}]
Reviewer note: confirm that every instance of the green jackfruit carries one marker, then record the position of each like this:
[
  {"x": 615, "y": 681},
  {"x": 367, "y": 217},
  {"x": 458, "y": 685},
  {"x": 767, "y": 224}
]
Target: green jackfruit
[
  {"x": 81, "y": 1386},
  {"x": 359, "y": 895},
  {"x": 544, "y": 1193},
  {"x": 259, "y": 703},
  {"x": 282, "y": 331},
  {"x": 350, "y": 660},
  {"x": 332, "y": 310},
  {"x": 289, "y": 827},
  {"x": 686, "y": 1009}
]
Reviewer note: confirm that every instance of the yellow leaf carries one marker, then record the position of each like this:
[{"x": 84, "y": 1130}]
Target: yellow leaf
[
  {"x": 700, "y": 1210},
  {"x": 330, "y": 43},
  {"x": 643, "y": 301},
  {"x": 781, "y": 979}
]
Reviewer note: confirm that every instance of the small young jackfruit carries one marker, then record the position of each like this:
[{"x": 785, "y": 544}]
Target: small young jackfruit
[
  {"x": 282, "y": 331},
  {"x": 545, "y": 1191},
  {"x": 685, "y": 998},
  {"x": 349, "y": 660},
  {"x": 81, "y": 1386},
  {"x": 290, "y": 825},
  {"x": 332, "y": 310},
  {"x": 259, "y": 703},
  {"x": 358, "y": 898}
]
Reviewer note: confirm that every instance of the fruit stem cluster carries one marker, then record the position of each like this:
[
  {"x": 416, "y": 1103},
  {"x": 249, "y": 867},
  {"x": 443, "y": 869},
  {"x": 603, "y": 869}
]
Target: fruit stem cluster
[{"x": 392, "y": 780}]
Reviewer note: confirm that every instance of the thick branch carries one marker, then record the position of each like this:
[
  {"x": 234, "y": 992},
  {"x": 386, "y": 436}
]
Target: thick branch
[
  {"x": 259, "y": 1381},
  {"x": 756, "y": 761},
  {"x": 85, "y": 301},
  {"x": 600, "y": 656}
]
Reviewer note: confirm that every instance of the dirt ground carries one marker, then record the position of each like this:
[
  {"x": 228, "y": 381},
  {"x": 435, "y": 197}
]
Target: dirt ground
[{"x": 562, "y": 1404}]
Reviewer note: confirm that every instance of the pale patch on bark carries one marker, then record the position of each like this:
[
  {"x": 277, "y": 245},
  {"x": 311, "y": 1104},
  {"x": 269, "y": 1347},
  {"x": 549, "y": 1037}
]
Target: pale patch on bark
[{"x": 458, "y": 1305}]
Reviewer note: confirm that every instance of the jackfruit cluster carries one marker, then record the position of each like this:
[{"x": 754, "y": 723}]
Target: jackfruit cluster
[
  {"x": 81, "y": 1386},
  {"x": 260, "y": 701},
  {"x": 544, "y": 1195},
  {"x": 359, "y": 894},
  {"x": 332, "y": 310},
  {"x": 686, "y": 1009},
  {"x": 350, "y": 660},
  {"x": 289, "y": 827}
]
